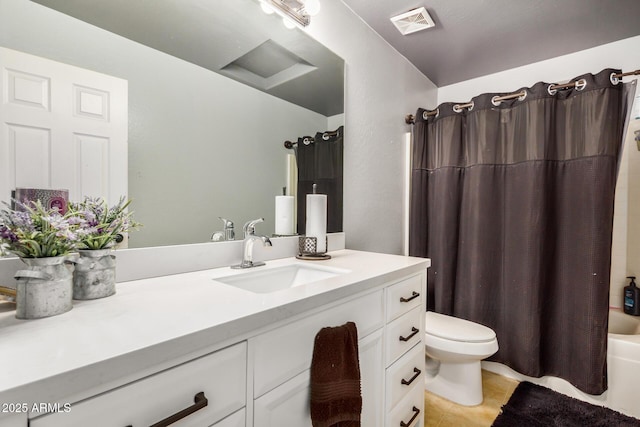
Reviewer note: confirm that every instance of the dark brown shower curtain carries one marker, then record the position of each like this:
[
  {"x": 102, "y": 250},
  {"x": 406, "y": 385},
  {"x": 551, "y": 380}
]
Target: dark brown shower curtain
[
  {"x": 320, "y": 162},
  {"x": 514, "y": 205}
]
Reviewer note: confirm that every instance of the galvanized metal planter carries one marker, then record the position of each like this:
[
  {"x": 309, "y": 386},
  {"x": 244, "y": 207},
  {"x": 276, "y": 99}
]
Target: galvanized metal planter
[
  {"x": 95, "y": 274},
  {"x": 45, "y": 288}
]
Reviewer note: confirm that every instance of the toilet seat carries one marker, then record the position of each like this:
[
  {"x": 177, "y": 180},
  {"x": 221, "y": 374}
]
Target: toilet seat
[{"x": 455, "y": 329}]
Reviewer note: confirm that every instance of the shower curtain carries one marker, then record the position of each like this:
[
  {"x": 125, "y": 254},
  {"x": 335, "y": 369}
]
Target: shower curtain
[
  {"x": 320, "y": 162},
  {"x": 513, "y": 202}
]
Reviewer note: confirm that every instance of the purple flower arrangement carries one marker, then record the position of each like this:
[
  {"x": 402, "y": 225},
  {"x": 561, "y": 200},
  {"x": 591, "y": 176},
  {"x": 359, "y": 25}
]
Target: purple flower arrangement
[
  {"x": 32, "y": 231},
  {"x": 97, "y": 224}
]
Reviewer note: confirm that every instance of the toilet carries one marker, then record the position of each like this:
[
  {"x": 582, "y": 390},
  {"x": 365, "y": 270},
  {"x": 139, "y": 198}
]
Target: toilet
[{"x": 454, "y": 349}]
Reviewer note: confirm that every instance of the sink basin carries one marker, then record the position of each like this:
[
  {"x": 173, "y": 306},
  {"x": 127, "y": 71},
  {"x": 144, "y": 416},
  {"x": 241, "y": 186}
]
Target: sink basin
[{"x": 279, "y": 278}]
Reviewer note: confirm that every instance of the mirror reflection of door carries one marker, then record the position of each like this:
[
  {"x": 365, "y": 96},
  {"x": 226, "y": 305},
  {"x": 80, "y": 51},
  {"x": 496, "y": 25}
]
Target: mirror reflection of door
[{"x": 63, "y": 127}]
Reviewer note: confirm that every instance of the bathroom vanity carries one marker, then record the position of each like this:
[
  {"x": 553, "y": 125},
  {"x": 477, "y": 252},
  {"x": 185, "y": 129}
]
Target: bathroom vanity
[{"x": 219, "y": 352}]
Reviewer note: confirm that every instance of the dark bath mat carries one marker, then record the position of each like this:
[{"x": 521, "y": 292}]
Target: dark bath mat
[{"x": 532, "y": 405}]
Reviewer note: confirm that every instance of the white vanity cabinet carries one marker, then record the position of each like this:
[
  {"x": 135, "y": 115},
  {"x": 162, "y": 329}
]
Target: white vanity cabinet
[
  {"x": 218, "y": 380},
  {"x": 390, "y": 333},
  {"x": 249, "y": 355}
]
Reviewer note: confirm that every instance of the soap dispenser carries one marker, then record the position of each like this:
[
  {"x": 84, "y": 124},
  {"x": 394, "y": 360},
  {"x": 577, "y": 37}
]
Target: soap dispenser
[{"x": 632, "y": 298}]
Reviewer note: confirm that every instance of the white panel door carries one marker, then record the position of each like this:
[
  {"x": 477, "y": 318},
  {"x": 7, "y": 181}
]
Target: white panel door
[{"x": 61, "y": 127}]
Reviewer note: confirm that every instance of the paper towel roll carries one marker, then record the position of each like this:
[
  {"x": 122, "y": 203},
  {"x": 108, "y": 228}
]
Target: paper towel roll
[
  {"x": 284, "y": 215},
  {"x": 316, "y": 225}
]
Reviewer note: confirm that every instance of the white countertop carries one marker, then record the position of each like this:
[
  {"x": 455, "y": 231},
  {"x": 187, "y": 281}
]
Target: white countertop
[{"x": 152, "y": 323}]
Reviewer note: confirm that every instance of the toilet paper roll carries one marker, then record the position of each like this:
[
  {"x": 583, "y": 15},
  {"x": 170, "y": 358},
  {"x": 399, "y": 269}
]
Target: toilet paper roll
[
  {"x": 284, "y": 215},
  {"x": 316, "y": 225}
]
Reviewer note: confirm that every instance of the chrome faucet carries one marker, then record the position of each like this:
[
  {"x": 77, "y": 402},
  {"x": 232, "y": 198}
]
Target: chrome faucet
[
  {"x": 227, "y": 234},
  {"x": 250, "y": 238}
]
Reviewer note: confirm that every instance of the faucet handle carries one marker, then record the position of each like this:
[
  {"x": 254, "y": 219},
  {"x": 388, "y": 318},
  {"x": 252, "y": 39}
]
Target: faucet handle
[
  {"x": 227, "y": 223},
  {"x": 250, "y": 226}
]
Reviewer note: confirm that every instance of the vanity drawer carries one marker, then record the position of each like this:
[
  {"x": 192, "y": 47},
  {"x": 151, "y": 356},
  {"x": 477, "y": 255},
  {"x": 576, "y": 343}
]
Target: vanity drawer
[
  {"x": 285, "y": 352},
  {"x": 220, "y": 375},
  {"x": 405, "y": 374},
  {"x": 409, "y": 411},
  {"x": 403, "y": 333},
  {"x": 404, "y": 296}
]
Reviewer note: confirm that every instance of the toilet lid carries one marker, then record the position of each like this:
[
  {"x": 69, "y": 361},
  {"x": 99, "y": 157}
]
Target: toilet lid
[{"x": 454, "y": 329}]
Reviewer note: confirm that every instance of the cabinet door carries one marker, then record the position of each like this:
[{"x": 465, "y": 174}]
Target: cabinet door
[
  {"x": 372, "y": 373},
  {"x": 288, "y": 404},
  {"x": 283, "y": 353}
]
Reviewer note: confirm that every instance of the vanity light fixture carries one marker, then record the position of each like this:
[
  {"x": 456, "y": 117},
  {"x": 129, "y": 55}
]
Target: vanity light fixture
[{"x": 292, "y": 11}]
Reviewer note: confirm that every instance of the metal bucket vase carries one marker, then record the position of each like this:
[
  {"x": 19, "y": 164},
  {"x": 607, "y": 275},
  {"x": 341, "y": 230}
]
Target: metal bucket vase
[
  {"x": 95, "y": 275},
  {"x": 45, "y": 288}
]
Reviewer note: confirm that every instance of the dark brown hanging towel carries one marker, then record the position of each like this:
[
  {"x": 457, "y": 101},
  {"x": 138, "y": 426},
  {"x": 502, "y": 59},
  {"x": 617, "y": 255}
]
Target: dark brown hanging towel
[{"x": 336, "y": 400}]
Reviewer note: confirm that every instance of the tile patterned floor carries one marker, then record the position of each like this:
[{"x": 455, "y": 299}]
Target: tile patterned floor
[{"x": 440, "y": 412}]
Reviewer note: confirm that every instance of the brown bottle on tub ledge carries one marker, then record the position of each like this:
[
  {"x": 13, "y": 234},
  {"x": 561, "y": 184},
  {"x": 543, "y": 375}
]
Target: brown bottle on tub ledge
[{"x": 632, "y": 298}]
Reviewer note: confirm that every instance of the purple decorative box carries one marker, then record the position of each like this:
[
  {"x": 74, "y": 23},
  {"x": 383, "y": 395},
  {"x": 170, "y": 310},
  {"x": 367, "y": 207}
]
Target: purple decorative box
[{"x": 49, "y": 198}]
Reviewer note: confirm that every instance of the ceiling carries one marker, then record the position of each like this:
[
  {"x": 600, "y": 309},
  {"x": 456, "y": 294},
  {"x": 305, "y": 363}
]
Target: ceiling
[{"x": 473, "y": 38}]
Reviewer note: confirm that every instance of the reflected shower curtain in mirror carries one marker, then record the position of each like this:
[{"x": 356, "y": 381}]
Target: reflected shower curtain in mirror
[
  {"x": 320, "y": 162},
  {"x": 514, "y": 205}
]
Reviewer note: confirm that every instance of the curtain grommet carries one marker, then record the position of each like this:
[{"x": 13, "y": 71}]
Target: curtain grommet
[
  {"x": 551, "y": 91},
  {"x": 523, "y": 96},
  {"x": 495, "y": 101},
  {"x": 581, "y": 84},
  {"x": 460, "y": 108},
  {"x": 427, "y": 114},
  {"x": 325, "y": 136},
  {"x": 614, "y": 79},
  {"x": 307, "y": 141}
]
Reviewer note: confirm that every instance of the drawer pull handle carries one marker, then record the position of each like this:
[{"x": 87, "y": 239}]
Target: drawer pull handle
[
  {"x": 200, "y": 401},
  {"x": 416, "y": 412},
  {"x": 413, "y": 378},
  {"x": 413, "y": 296},
  {"x": 414, "y": 331}
]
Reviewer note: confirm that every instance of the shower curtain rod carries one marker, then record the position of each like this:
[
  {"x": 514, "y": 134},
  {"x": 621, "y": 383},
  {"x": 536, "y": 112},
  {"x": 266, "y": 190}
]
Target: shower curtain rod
[
  {"x": 306, "y": 140},
  {"x": 615, "y": 78}
]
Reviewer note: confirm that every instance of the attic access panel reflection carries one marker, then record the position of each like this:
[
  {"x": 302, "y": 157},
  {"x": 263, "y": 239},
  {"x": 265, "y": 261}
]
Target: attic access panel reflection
[{"x": 267, "y": 66}]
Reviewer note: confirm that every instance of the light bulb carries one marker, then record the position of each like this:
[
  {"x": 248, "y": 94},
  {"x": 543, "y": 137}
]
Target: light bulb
[
  {"x": 312, "y": 7},
  {"x": 266, "y": 8},
  {"x": 288, "y": 23}
]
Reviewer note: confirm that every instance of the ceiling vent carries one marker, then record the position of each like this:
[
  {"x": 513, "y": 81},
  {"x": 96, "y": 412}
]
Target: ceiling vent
[{"x": 412, "y": 21}]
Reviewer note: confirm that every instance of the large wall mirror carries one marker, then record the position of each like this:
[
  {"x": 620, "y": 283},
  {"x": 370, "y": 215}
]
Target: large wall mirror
[{"x": 215, "y": 87}]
